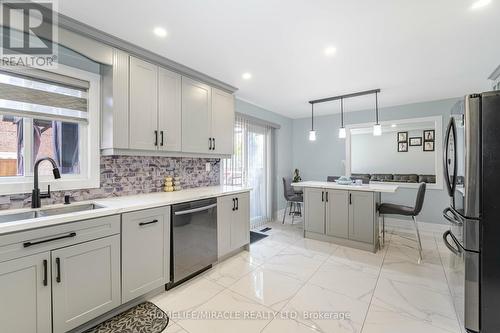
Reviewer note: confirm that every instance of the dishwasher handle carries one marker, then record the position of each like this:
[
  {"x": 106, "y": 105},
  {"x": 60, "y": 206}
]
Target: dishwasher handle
[{"x": 195, "y": 210}]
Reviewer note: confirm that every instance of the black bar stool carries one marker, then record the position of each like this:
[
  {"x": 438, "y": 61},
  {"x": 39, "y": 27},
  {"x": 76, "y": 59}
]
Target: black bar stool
[{"x": 393, "y": 209}]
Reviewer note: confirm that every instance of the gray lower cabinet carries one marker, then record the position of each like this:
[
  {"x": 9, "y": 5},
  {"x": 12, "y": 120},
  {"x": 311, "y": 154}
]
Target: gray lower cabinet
[
  {"x": 342, "y": 215},
  {"x": 85, "y": 282},
  {"x": 25, "y": 301},
  {"x": 145, "y": 251},
  {"x": 314, "y": 209},
  {"x": 233, "y": 222},
  {"x": 361, "y": 216},
  {"x": 337, "y": 213}
]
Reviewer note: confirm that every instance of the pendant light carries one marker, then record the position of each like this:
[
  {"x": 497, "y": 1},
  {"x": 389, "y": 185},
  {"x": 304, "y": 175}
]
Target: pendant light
[
  {"x": 312, "y": 132},
  {"x": 377, "y": 128},
  {"x": 342, "y": 128}
]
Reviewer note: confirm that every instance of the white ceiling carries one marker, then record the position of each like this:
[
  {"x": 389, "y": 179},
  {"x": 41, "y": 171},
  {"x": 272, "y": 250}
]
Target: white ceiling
[{"x": 414, "y": 50}]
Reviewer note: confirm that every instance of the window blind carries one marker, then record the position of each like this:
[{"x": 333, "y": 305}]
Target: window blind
[{"x": 43, "y": 95}]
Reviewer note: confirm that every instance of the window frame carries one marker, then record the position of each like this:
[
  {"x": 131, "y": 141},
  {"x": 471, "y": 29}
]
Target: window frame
[{"x": 89, "y": 176}]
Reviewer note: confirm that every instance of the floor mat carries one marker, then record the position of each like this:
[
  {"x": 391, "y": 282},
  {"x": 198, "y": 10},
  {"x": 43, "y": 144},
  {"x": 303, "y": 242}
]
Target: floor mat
[
  {"x": 255, "y": 236},
  {"x": 145, "y": 317}
]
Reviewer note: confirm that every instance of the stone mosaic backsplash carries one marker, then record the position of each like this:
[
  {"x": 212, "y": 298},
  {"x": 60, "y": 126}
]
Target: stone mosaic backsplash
[{"x": 129, "y": 175}]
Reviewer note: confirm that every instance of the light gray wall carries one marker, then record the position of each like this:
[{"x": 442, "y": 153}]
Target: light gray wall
[
  {"x": 379, "y": 154},
  {"x": 282, "y": 139},
  {"x": 324, "y": 157}
]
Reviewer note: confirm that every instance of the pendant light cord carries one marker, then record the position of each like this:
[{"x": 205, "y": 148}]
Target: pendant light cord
[
  {"x": 312, "y": 116},
  {"x": 342, "y": 113},
  {"x": 376, "y": 107}
]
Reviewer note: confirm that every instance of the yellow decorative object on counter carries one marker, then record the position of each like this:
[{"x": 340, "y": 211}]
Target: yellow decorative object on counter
[{"x": 168, "y": 188}]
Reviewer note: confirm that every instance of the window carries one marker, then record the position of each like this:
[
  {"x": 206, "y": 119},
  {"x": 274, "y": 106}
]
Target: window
[
  {"x": 48, "y": 114},
  {"x": 250, "y": 166}
]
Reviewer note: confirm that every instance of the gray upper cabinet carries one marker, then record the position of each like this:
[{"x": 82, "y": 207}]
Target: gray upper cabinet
[
  {"x": 222, "y": 122},
  {"x": 143, "y": 97},
  {"x": 169, "y": 110},
  {"x": 196, "y": 116},
  {"x": 25, "y": 302},
  {"x": 85, "y": 282},
  {"x": 150, "y": 108},
  {"x": 115, "y": 103},
  {"x": 337, "y": 213},
  {"x": 314, "y": 209},
  {"x": 145, "y": 251},
  {"x": 362, "y": 216}
]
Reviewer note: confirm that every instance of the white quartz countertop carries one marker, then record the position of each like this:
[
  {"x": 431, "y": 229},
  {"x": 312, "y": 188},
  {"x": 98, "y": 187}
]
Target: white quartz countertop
[
  {"x": 382, "y": 188},
  {"x": 117, "y": 205}
]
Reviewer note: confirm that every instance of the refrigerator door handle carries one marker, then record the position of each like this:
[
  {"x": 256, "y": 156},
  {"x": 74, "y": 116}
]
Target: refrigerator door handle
[
  {"x": 452, "y": 219},
  {"x": 450, "y": 183},
  {"x": 458, "y": 249}
]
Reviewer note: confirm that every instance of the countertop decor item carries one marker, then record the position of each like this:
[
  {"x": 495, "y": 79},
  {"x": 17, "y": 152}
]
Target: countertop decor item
[
  {"x": 343, "y": 180},
  {"x": 296, "y": 176}
]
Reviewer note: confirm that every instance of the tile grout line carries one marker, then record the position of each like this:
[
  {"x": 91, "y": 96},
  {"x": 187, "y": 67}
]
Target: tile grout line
[
  {"x": 298, "y": 290},
  {"x": 376, "y": 284}
]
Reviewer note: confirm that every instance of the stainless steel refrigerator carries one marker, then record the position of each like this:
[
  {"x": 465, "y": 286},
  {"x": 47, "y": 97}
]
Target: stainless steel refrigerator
[{"x": 472, "y": 176}]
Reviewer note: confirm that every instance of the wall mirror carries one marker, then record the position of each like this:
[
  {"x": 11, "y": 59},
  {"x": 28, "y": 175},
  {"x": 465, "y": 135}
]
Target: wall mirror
[{"x": 409, "y": 151}]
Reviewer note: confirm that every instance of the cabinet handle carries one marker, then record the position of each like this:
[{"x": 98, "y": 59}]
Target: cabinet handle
[
  {"x": 161, "y": 135},
  {"x": 28, "y": 244},
  {"x": 209, "y": 143},
  {"x": 156, "y": 138},
  {"x": 234, "y": 204},
  {"x": 146, "y": 223},
  {"x": 350, "y": 198},
  {"x": 322, "y": 196},
  {"x": 213, "y": 148},
  {"x": 58, "y": 268},
  {"x": 237, "y": 204},
  {"x": 326, "y": 196},
  {"x": 45, "y": 273}
]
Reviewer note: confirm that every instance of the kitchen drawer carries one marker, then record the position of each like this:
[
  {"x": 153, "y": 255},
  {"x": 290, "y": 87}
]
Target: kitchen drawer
[{"x": 29, "y": 242}]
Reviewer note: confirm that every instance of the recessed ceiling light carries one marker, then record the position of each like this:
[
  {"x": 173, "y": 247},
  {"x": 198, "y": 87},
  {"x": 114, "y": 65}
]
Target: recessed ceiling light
[
  {"x": 393, "y": 125},
  {"x": 480, "y": 4},
  {"x": 160, "y": 32},
  {"x": 330, "y": 51},
  {"x": 246, "y": 76}
]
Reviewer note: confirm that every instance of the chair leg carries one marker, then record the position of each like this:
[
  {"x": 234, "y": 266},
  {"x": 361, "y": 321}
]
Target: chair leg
[
  {"x": 284, "y": 213},
  {"x": 418, "y": 240},
  {"x": 383, "y": 229},
  {"x": 294, "y": 208}
]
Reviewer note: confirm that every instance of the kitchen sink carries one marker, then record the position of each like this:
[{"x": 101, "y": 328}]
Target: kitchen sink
[
  {"x": 67, "y": 209},
  {"x": 48, "y": 212}
]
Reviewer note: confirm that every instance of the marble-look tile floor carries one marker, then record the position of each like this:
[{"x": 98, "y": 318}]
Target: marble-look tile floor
[{"x": 286, "y": 283}]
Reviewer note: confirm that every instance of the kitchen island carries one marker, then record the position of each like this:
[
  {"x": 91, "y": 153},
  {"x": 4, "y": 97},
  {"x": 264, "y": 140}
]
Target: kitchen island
[{"x": 343, "y": 214}]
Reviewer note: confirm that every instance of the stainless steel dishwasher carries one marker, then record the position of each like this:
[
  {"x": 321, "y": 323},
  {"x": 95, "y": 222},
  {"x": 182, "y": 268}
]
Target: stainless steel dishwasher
[{"x": 193, "y": 239}]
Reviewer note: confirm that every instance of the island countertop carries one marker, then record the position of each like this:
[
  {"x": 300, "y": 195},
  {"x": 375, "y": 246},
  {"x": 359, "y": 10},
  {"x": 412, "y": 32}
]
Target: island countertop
[{"x": 381, "y": 188}]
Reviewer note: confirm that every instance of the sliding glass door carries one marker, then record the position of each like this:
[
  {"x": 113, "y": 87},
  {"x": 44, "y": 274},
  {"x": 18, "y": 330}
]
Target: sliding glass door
[{"x": 250, "y": 166}]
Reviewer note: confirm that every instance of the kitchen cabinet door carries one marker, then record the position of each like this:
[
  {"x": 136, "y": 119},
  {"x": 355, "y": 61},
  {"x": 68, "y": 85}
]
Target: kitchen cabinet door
[
  {"x": 196, "y": 116},
  {"x": 314, "y": 209},
  {"x": 240, "y": 226},
  {"x": 25, "y": 294},
  {"x": 145, "y": 251},
  {"x": 169, "y": 110},
  {"x": 361, "y": 216},
  {"x": 222, "y": 121},
  {"x": 85, "y": 282},
  {"x": 143, "y": 105},
  {"x": 337, "y": 213},
  {"x": 225, "y": 216}
]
